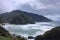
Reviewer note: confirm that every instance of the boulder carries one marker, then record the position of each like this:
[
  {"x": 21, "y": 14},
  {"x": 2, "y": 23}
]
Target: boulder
[{"x": 30, "y": 37}]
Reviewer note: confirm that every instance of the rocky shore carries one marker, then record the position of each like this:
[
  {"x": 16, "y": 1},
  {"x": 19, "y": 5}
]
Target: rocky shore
[{"x": 53, "y": 34}]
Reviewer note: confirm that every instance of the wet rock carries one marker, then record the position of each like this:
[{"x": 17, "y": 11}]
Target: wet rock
[{"x": 30, "y": 37}]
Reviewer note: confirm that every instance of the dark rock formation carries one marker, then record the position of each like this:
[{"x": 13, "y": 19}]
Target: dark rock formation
[
  {"x": 39, "y": 37},
  {"x": 53, "y": 34},
  {"x": 30, "y": 37},
  {"x": 4, "y": 32},
  {"x": 20, "y": 38}
]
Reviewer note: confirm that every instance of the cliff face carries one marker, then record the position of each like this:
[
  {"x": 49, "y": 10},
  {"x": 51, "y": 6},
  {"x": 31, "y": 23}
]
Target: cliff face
[{"x": 21, "y": 17}]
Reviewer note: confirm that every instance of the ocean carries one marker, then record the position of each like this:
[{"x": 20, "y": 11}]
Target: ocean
[{"x": 39, "y": 28}]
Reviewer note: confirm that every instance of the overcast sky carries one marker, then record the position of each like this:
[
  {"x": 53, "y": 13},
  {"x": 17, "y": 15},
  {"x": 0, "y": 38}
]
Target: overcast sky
[{"x": 42, "y": 7}]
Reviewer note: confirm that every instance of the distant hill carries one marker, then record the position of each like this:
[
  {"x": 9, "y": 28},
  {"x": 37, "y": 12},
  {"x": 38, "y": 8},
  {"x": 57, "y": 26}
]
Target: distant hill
[{"x": 18, "y": 17}]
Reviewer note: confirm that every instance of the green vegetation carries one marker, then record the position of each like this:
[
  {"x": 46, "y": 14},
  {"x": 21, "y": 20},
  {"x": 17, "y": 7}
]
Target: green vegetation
[
  {"x": 5, "y": 38},
  {"x": 20, "y": 38},
  {"x": 5, "y": 35},
  {"x": 4, "y": 32},
  {"x": 20, "y": 19}
]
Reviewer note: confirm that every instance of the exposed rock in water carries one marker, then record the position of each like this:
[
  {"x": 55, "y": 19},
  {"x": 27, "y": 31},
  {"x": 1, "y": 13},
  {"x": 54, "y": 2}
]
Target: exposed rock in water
[{"x": 30, "y": 37}]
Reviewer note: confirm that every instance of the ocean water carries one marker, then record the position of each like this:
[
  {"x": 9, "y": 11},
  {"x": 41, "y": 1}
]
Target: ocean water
[{"x": 39, "y": 28}]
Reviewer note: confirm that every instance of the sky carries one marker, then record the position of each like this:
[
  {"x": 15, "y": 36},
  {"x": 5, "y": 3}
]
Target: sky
[{"x": 42, "y": 7}]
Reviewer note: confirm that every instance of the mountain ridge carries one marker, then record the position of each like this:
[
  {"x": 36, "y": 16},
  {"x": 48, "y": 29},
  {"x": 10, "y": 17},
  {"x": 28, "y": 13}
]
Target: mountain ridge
[{"x": 34, "y": 17}]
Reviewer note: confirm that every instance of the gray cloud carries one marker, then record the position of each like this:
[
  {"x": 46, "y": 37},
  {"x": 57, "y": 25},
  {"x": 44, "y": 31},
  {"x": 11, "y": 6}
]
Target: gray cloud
[
  {"x": 50, "y": 1},
  {"x": 43, "y": 7},
  {"x": 46, "y": 4},
  {"x": 28, "y": 8}
]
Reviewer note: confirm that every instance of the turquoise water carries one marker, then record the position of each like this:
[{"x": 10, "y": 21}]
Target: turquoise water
[
  {"x": 39, "y": 28},
  {"x": 30, "y": 29}
]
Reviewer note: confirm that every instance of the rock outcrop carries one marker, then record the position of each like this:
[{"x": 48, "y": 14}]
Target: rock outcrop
[{"x": 53, "y": 34}]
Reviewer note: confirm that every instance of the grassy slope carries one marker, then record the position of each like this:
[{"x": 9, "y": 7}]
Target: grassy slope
[{"x": 5, "y": 38}]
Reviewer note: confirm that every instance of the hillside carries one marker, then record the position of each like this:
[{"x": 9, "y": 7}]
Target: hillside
[{"x": 21, "y": 17}]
